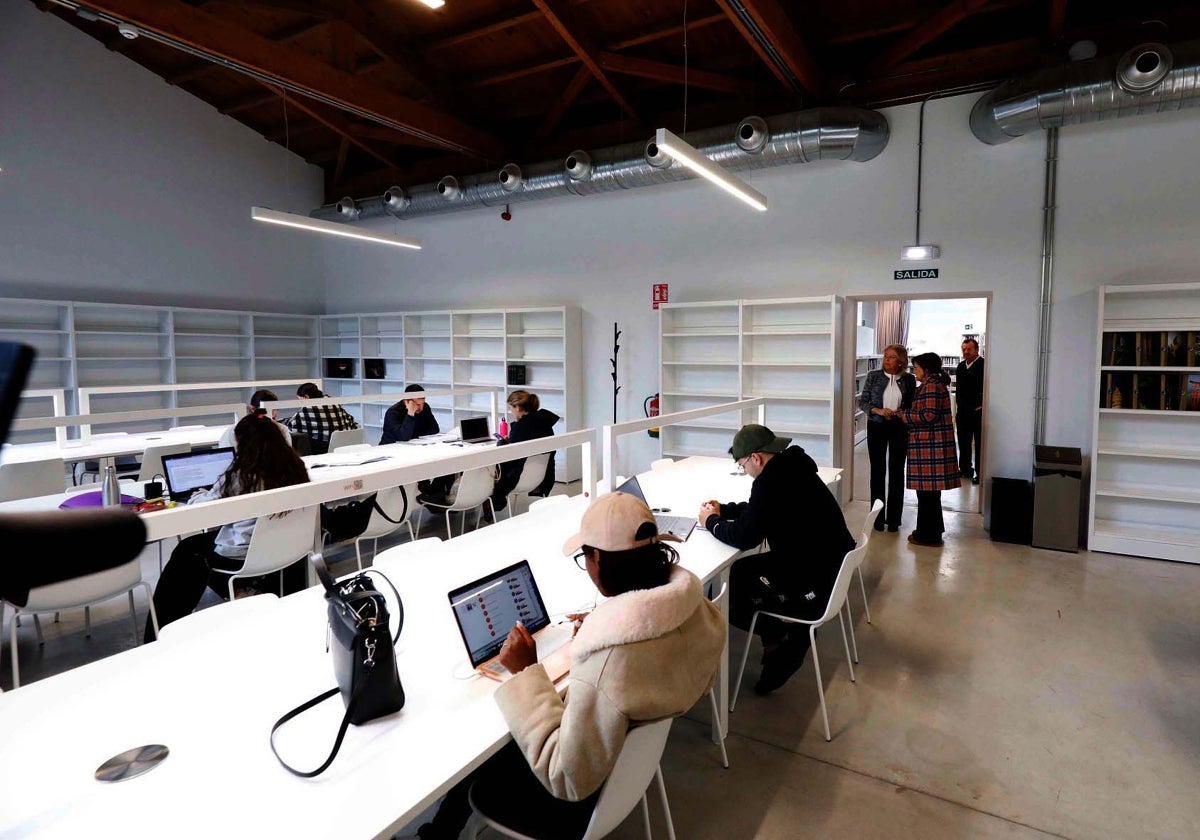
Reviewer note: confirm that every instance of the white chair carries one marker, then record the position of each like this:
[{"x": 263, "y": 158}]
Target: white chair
[
  {"x": 152, "y": 464},
  {"x": 474, "y": 491},
  {"x": 199, "y": 623},
  {"x": 863, "y": 538},
  {"x": 837, "y": 599},
  {"x": 636, "y": 768},
  {"x": 278, "y": 542},
  {"x": 662, "y": 464},
  {"x": 712, "y": 692},
  {"x": 531, "y": 476},
  {"x": 549, "y": 501},
  {"x": 32, "y": 478},
  {"x": 396, "y": 502},
  {"x": 346, "y": 437}
]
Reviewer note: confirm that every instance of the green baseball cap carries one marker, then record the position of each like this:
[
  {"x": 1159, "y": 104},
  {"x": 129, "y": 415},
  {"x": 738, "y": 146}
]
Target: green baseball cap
[{"x": 753, "y": 438}]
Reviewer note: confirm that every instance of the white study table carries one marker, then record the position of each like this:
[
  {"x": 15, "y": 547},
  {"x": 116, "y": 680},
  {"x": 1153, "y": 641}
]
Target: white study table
[
  {"x": 104, "y": 446},
  {"x": 212, "y": 700}
]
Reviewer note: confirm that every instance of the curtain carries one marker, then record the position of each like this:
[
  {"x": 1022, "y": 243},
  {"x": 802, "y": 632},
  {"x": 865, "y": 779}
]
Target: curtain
[{"x": 891, "y": 324}]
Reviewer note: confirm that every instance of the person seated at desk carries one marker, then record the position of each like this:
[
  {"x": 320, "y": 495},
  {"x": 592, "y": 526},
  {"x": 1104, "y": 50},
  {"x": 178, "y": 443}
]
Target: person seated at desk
[
  {"x": 531, "y": 422},
  {"x": 319, "y": 421},
  {"x": 648, "y": 652},
  {"x": 261, "y": 461},
  {"x": 259, "y": 397},
  {"x": 410, "y": 419},
  {"x": 792, "y": 508}
]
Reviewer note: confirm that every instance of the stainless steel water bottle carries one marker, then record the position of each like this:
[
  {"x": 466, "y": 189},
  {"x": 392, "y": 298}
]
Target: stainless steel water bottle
[{"x": 110, "y": 490}]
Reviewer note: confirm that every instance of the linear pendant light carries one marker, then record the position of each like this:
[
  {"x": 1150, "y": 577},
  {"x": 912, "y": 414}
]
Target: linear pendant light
[
  {"x": 707, "y": 168},
  {"x": 263, "y": 214}
]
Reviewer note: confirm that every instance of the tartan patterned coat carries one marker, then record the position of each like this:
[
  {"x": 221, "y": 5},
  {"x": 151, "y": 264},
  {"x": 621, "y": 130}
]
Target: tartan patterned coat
[{"x": 932, "y": 456}]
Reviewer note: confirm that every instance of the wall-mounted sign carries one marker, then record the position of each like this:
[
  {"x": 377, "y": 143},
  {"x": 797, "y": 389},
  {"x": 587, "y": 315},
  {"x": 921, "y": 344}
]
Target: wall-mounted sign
[
  {"x": 916, "y": 274},
  {"x": 659, "y": 294}
]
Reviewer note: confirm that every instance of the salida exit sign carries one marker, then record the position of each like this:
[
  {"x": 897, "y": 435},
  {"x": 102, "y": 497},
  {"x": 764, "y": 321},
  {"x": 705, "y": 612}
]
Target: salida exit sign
[{"x": 916, "y": 274}]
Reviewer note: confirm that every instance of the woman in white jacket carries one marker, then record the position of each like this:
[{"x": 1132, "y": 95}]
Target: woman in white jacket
[{"x": 648, "y": 652}]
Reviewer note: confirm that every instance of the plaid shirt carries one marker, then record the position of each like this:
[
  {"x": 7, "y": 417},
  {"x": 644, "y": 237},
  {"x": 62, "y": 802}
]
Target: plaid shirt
[{"x": 320, "y": 421}]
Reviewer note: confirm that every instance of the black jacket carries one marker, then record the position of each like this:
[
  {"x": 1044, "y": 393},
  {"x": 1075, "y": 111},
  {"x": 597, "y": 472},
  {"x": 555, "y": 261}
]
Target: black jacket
[
  {"x": 400, "y": 426},
  {"x": 792, "y": 508},
  {"x": 968, "y": 385},
  {"x": 537, "y": 424}
]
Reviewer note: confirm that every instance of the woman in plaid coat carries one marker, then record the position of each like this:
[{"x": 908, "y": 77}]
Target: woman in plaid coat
[{"x": 932, "y": 457}]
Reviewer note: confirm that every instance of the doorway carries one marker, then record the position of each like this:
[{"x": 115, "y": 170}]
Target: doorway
[{"x": 922, "y": 323}]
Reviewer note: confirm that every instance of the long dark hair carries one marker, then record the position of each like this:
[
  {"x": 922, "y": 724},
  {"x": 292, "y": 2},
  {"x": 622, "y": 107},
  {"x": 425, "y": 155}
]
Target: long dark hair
[
  {"x": 309, "y": 391},
  {"x": 262, "y": 459},
  {"x": 644, "y": 567},
  {"x": 931, "y": 363}
]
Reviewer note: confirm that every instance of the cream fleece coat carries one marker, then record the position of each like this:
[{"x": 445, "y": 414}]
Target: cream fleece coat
[{"x": 642, "y": 656}]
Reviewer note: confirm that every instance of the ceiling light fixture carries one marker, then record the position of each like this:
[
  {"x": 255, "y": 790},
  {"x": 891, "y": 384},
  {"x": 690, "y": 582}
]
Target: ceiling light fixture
[
  {"x": 919, "y": 252},
  {"x": 433, "y": 4},
  {"x": 704, "y": 166},
  {"x": 264, "y": 214}
]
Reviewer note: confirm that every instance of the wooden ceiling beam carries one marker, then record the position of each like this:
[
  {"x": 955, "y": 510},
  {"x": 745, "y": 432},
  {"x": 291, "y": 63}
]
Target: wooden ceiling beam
[
  {"x": 581, "y": 43},
  {"x": 667, "y": 32},
  {"x": 200, "y": 69},
  {"x": 521, "y": 72},
  {"x": 928, "y": 30},
  {"x": 248, "y": 102},
  {"x": 776, "y": 26},
  {"x": 1058, "y": 18},
  {"x": 554, "y": 116},
  {"x": 180, "y": 22},
  {"x": 907, "y": 23},
  {"x": 662, "y": 72},
  {"x": 498, "y": 24},
  {"x": 341, "y": 126}
]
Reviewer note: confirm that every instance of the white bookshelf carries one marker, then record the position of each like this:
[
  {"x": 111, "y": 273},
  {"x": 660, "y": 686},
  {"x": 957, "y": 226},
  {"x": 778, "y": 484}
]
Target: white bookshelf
[
  {"x": 94, "y": 345},
  {"x": 454, "y": 348},
  {"x": 721, "y": 351},
  {"x": 1146, "y": 429},
  {"x": 862, "y": 366}
]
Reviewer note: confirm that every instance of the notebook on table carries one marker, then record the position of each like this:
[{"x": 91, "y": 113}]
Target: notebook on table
[
  {"x": 474, "y": 430},
  {"x": 191, "y": 471},
  {"x": 486, "y": 609},
  {"x": 679, "y": 526}
]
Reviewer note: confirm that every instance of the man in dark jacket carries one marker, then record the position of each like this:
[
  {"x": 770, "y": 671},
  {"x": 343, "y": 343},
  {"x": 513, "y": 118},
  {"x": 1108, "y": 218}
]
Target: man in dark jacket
[
  {"x": 531, "y": 422},
  {"x": 791, "y": 507},
  {"x": 410, "y": 419},
  {"x": 968, "y": 393}
]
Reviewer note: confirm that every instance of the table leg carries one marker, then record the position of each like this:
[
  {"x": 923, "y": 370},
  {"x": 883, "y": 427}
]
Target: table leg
[{"x": 721, "y": 581}]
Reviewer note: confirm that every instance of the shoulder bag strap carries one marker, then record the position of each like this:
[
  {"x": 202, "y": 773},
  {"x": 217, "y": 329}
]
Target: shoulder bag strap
[
  {"x": 337, "y": 744},
  {"x": 399, "y": 603},
  {"x": 379, "y": 508}
]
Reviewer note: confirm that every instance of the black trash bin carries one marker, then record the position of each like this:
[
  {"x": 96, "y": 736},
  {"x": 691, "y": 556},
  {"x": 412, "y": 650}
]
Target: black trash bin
[
  {"x": 1012, "y": 510},
  {"x": 1057, "y": 484}
]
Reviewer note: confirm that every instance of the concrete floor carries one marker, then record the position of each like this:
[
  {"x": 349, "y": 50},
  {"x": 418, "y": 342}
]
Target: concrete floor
[{"x": 1003, "y": 691}]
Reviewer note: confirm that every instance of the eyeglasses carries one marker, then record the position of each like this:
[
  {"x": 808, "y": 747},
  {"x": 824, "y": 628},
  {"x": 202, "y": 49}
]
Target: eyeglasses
[
  {"x": 580, "y": 558},
  {"x": 741, "y": 465}
]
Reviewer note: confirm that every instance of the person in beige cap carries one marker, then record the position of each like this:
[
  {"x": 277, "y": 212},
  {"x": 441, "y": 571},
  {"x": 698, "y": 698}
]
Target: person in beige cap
[
  {"x": 793, "y": 510},
  {"x": 649, "y": 651}
]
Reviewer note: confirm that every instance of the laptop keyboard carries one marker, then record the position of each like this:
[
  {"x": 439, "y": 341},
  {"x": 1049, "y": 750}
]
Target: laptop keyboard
[{"x": 680, "y": 526}]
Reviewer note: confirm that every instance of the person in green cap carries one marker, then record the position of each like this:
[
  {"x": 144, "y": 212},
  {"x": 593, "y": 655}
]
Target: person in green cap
[{"x": 792, "y": 508}]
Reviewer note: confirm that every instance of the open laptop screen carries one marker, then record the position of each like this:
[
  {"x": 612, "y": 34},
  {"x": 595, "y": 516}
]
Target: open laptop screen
[
  {"x": 474, "y": 429},
  {"x": 486, "y": 609},
  {"x": 193, "y": 471}
]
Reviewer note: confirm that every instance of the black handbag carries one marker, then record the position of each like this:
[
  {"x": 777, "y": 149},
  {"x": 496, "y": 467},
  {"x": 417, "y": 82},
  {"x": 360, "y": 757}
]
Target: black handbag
[
  {"x": 345, "y": 522},
  {"x": 364, "y": 656}
]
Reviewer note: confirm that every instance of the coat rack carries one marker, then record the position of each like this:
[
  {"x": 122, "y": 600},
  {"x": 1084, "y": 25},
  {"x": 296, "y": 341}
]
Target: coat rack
[{"x": 613, "y": 361}]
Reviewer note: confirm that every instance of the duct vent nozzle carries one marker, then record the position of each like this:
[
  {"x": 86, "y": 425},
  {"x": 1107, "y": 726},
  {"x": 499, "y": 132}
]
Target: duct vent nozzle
[
  {"x": 655, "y": 156},
  {"x": 395, "y": 201},
  {"x": 1143, "y": 68},
  {"x": 578, "y": 165},
  {"x": 510, "y": 177},
  {"x": 347, "y": 209},
  {"x": 752, "y": 135},
  {"x": 448, "y": 188}
]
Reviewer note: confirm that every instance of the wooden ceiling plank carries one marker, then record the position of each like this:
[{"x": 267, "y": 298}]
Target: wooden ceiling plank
[
  {"x": 339, "y": 167},
  {"x": 925, "y": 32},
  {"x": 247, "y": 102},
  {"x": 667, "y": 32},
  {"x": 559, "y": 17},
  {"x": 338, "y": 124},
  {"x": 200, "y": 69},
  {"x": 1058, "y": 18},
  {"x": 775, "y": 24},
  {"x": 554, "y": 116},
  {"x": 521, "y": 72},
  {"x": 204, "y": 31},
  {"x": 659, "y": 71},
  {"x": 492, "y": 28}
]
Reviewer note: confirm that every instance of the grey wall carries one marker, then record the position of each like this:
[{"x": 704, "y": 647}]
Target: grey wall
[{"x": 118, "y": 187}]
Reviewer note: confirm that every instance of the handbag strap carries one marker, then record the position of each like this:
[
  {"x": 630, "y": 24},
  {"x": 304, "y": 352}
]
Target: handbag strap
[
  {"x": 337, "y": 744},
  {"x": 379, "y": 508},
  {"x": 399, "y": 603}
]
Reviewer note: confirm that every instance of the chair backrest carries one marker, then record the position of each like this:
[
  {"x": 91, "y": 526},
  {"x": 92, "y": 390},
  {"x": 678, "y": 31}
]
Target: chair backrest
[
  {"x": 533, "y": 472},
  {"x": 662, "y": 464},
  {"x": 346, "y": 437},
  {"x": 720, "y": 596},
  {"x": 869, "y": 523},
  {"x": 279, "y": 541},
  {"x": 842, "y": 584},
  {"x": 396, "y": 505},
  {"x": 152, "y": 464},
  {"x": 474, "y": 486},
  {"x": 630, "y": 777},
  {"x": 203, "y": 621},
  {"x": 32, "y": 478},
  {"x": 547, "y": 502}
]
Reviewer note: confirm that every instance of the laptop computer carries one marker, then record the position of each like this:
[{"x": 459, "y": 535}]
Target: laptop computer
[
  {"x": 474, "y": 430},
  {"x": 486, "y": 609},
  {"x": 191, "y": 471},
  {"x": 680, "y": 526}
]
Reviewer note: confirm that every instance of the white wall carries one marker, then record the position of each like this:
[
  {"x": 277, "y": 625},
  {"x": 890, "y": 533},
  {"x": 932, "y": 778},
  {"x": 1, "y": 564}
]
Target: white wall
[
  {"x": 835, "y": 228},
  {"x": 118, "y": 187}
]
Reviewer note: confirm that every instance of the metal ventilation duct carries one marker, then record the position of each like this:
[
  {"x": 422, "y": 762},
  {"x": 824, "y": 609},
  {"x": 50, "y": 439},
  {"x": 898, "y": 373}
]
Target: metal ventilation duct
[
  {"x": 798, "y": 137},
  {"x": 1148, "y": 79}
]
